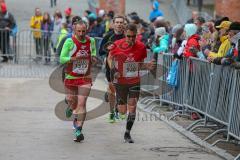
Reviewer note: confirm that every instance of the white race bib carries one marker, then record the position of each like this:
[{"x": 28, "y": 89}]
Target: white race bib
[
  {"x": 130, "y": 70},
  {"x": 80, "y": 66}
]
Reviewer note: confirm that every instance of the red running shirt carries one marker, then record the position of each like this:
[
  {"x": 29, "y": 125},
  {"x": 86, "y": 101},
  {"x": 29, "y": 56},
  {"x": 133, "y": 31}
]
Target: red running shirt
[{"x": 126, "y": 60}]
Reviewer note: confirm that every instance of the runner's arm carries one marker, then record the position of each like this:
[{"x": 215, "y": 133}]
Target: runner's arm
[
  {"x": 93, "y": 47},
  {"x": 109, "y": 60},
  {"x": 67, "y": 48}
]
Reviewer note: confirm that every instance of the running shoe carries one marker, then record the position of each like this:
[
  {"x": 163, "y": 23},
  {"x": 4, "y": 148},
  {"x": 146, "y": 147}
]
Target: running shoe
[
  {"x": 68, "y": 110},
  {"x": 122, "y": 116},
  {"x": 128, "y": 138},
  {"x": 79, "y": 136},
  {"x": 111, "y": 118}
]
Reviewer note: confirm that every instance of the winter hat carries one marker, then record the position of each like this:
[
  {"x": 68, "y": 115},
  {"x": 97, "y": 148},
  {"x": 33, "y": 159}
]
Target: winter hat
[
  {"x": 160, "y": 31},
  {"x": 68, "y": 11},
  {"x": 101, "y": 13},
  {"x": 235, "y": 26},
  {"x": 3, "y": 7},
  {"x": 155, "y": 5},
  {"x": 176, "y": 28},
  {"x": 190, "y": 29}
]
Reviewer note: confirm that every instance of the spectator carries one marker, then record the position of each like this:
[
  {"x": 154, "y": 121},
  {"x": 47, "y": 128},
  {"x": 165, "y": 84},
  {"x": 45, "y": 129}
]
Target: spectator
[
  {"x": 155, "y": 11},
  {"x": 199, "y": 21},
  {"x": 56, "y": 29},
  {"x": 63, "y": 33},
  {"x": 108, "y": 21},
  {"x": 162, "y": 38},
  {"x": 7, "y": 23},
  {"x": 68, "y": 18},
  {"x": 47, "y": 28},
  {"x": 101, "y": 13},
  {"x": 205, "y": 41},
  {"x": 97, "y": 30},
  {"x": 225, "y": 42},
  {"x": 192, "y": 45},
  {"x": 35, "y": 24},
  {"x": 176, "y": 41},
  {"x": 89, "y": 15},
  {"x": 215, "y": 36},
  {"x": 233, "y": 55},
  {"x": 194, "y": 17}
]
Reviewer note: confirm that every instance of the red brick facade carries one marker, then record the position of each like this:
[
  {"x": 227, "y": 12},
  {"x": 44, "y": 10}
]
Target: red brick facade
[
  {"x": 230, "y": 8},
  {"x": 118, "y": 6}
]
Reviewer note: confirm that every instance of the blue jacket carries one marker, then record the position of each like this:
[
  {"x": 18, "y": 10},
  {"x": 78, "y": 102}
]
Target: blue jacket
[
  {"x": 155, "y": 12},
  {"x": 163, "y": 45}
]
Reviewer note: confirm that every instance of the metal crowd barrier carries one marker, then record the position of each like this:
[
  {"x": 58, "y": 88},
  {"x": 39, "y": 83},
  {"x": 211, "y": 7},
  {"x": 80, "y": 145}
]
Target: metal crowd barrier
[
  {"x": 209, "y": 89},
  {"x": 172, "y": 95},
  {"x": 7, "y": 45},
  {"x": 197, "y": 86},
  {"x": 36, "y": 46},
  {"x": 234, "y": 122},
  {"x": 33, "y": 46}
]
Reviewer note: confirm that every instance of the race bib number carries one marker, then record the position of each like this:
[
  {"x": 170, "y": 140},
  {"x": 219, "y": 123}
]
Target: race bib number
[
  {"x": 130, "y": 70},
  {"x": 80, "y": 66}
]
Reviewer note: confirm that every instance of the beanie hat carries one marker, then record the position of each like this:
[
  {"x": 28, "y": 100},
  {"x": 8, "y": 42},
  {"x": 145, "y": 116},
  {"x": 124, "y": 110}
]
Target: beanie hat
[
  {"x": 190, "y": 29},
  {"x": 68, "y": 11},
  {"x": 3, "y": 7},
  {"x": 101, "y": 13},
  {"x": 160, "y": 31},
  {"x": 176, "y": 28}
]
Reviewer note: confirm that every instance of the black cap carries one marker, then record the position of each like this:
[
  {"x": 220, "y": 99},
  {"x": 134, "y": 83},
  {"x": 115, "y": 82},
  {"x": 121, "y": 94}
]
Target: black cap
[
  {"x": 235, "y": 26},
  {"x": 201, "y": 20}
]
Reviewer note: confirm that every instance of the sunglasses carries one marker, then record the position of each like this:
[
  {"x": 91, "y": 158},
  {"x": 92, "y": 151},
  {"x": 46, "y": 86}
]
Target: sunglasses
[{"x": 131, "y": 36}]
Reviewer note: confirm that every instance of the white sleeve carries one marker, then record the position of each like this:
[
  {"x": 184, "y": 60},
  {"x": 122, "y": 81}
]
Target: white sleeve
[{"x": 182, "y": 47}]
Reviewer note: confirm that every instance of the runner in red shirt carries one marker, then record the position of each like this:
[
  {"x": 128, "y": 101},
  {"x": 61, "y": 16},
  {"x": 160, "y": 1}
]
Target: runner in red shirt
[{"x": 126, "y": 60}]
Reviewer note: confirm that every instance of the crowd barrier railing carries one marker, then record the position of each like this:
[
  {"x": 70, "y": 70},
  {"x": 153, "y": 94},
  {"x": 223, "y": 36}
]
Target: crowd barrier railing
[
  {"x": 209, "y": 89},
  {"x": 7, "y": 45},
  {"x": 31, "y": 45}
]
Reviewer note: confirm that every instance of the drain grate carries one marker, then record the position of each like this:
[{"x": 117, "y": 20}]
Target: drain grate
[{"x": 177, "y": 150}]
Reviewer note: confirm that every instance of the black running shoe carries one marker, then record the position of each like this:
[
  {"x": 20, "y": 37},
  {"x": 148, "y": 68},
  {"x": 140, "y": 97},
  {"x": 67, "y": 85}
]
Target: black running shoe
[
  {"x": 128, "y": 138},
  {"x": 79, "y": 136}
]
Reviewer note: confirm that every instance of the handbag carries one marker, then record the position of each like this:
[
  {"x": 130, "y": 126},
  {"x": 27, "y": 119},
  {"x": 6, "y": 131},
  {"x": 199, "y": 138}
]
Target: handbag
[{"x": 172, "y": 78}]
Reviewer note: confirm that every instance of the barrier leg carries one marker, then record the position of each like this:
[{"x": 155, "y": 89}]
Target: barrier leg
[
  {"x": 179, "y": 113},
  {"x": 195, "y": 123},
  {"x": 238, "y": 157},
  {"x": 215, "y": 133}
]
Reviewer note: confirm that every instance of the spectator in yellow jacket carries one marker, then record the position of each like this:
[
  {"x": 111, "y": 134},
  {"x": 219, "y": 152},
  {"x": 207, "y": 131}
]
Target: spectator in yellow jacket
[
  {"x": 35, "y": 24},
  {"x": 225, "y": 42}
]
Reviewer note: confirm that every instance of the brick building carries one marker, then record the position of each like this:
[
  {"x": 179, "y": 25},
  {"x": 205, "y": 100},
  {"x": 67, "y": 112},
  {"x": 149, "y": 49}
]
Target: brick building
[
  {"x": 230, "y": 8},
  {"x": 118, "y": 6}
]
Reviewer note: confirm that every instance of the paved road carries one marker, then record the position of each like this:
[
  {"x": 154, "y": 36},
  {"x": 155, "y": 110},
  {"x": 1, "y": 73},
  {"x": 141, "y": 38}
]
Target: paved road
[{"x": 30, "y": 130}]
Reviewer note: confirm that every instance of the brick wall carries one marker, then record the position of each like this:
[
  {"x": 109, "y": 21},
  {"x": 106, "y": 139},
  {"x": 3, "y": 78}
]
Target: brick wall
[
  {"x": 230, "y": 8},
  {"x": 118, "y": 6}
]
